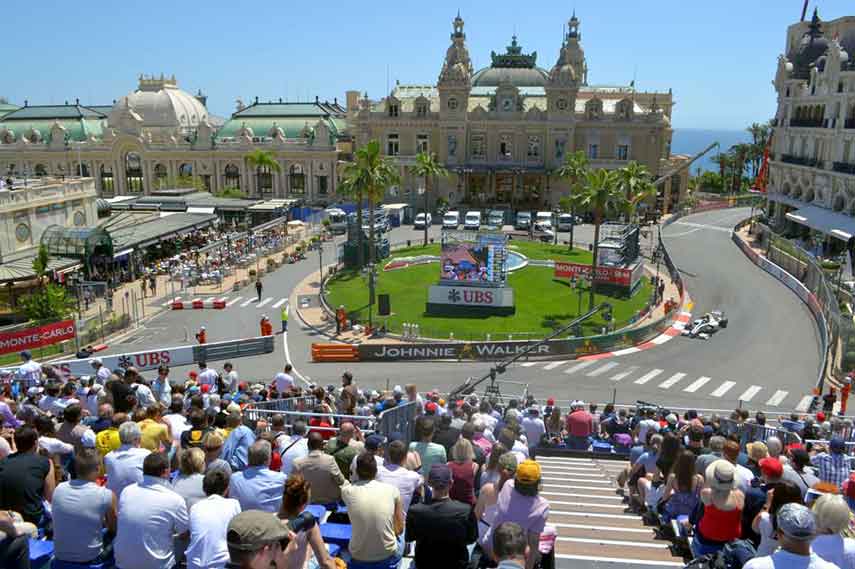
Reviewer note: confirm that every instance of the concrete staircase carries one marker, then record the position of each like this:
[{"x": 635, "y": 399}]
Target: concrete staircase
[{"x": 589, "y": 515}]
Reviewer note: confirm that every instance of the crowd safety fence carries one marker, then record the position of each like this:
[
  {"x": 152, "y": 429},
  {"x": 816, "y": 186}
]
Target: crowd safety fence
[{"x": 400, "y": 419}]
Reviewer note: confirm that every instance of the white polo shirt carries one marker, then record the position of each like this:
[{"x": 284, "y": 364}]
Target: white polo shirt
[
  {"x": 150, "y": 513},
  {"x": 209, "y": 524},
  {"x": 124, "y": 467},
  {"x": 208, "y": 376},
  {"x": 283, "y": 382}
]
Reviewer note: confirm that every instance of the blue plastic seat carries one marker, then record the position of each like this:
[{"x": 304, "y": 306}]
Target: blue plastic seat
[
  {"x": 317, "y": 510},
  {"x": 601, "y": 447},
  {"x": 337, "y": 534},
  {"x": 333, "y": 549},
  {"x": 57, "y": 564},
  {"x": 41, "y": 550}
]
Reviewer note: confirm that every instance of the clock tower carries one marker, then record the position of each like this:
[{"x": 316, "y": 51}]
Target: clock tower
[{"x": 455, "y": 79}]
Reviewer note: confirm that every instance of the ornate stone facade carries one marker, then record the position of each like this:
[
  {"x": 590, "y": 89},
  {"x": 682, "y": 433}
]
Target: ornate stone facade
[{"x": 502, "y": 131}]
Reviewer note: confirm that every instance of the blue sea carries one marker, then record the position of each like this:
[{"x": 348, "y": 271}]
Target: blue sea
[{"x": 691, "y": 141}]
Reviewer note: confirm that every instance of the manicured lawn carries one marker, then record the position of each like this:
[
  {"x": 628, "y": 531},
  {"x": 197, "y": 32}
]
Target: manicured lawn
[
  {"x": 541, "y": 302},
  {"x": 531, "y": 249}
]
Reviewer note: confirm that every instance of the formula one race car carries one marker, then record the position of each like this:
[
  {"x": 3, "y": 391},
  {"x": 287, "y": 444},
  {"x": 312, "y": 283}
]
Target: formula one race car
[{"x": 706, "y": 325}]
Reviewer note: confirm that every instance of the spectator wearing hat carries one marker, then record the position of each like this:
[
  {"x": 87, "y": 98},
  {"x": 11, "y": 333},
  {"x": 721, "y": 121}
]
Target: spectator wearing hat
[
  {"x": 796, "y": 530},
  {"x": 376, "y": 516},
  {"x": 150, "y": 514},
  {"x": 485, "y": 508},
  {"x": 534, "y": 429},
  {"x": 429, "y": 452},
  {"x": 81, "y": 509},
  {"x": 832, "y": 465},
  {"x": 832, "y": 522},
  {"x": 209, "y": 521},
  {"x": 373, "y": 445},
  {"x": 443, "y": 528},
  {"x": 510, "y": 546},
  {"x": 257, "y": 540},
  {"x": 520, "y": 503},
  {"x": 27, "y": 479},
  {"x": 393, "y": 471},
  {"x": 124, "y": 465},
  {"x": 580, "y": 426},
  {"x": 236, "y": 448},
  {"x": 321, "y": 471},
  {"x": 765, "y": 521},
  {"x": 258, "y": 487},
  {"x": 102, "y": 373},
  {"x": 723, "y": 502}
]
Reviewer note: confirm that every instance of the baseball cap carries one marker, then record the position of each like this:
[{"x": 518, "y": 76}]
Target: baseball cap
[
  {"x": 820, "y": 417},
  {"x": 94, "y": 361},
  {"x": 508, "y": 461},
  {"x": 396, "y": 436},
  {"x": 837, "y": 445},
  {"x": 373, "y": 442},
  {"x": 33, "y": 391},
  {"x": 720, "y": 475},
  {"x": 528, "y": 472},
  {"x": 430, "y": 407},
  {"x": 796, "y": 522},
  {"x": 206, "y": 388},
  {"x": 27, "y": 355},
  {"x": 398, "y": 390},
  {"x": 771, "y": 467},
  {"x": 253, "y": 529},
  {"x": 550, "y": 401},
  {"x": 439, "y": 475},
  {"x": 671, "y": 418}
]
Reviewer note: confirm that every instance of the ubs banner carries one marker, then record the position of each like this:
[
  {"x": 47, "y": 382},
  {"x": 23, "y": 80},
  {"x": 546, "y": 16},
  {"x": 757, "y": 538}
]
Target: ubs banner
[{"x": 501, "y": 350}]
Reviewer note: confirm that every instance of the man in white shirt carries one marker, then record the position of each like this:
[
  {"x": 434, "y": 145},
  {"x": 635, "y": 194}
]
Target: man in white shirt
[
  {"x": 209, "y": 523},
  {"x": 30, "y": 370},
  {"x": 534, "y": 429},
  {"x": 124, "y": 465},
  {"x": 102, "y": 374},
  {"x": 796, "y": 530},
  {"x": 207, "y": 376},
  {"x": 393, "y": 472},
  {"x": 150, "y": 514},
  {"x": 283, "y": 381},
  {"x": 485, "y": 415},
  {"x": 293, "y": 447},
  {"x": 231, "y": 377},
  {"x": 646, "y": 424},
  {"x": 178, "y": 422}
]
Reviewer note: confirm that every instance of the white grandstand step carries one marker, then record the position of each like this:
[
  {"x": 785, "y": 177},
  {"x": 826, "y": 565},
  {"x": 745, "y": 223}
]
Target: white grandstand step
[
  {"x": 777, "y": 398},
  {"x": 554, "y": 365},
  {"x": 622, "y": 374},
  {"x": 575, "y": 487},
  {"x": 697, "y": 384},
  {"x": 588, "y": 479},
  {"x": 628, "y": 517},
  {"x": 602, "y": 369},
  {"x": 647, "y": 544},
  {"x": 592, "y": 468},
  {"x": 585, "y": 496},
  {"x": 749, "y": 393},
  {"x": 620, "y": 506},
  {"x": 804, "y": 403},
  {"x": 602, "y": 528},
  {"x": 648, "y": 376},
  {"x": 672, "y": 380},
  {"x": 234, "y": 300},
  {"x": 541, "y": 458},
  {"x": 580, "y": 366},
  {"x": 619, "y": 560},
  {"x": 723, "y": 388}
]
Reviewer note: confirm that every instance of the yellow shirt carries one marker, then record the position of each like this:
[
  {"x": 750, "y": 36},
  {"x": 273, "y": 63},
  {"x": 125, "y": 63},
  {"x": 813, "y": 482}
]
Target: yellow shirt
[
  {"x": 107, "y": 441},
  {"x": 154, "y": 433}
]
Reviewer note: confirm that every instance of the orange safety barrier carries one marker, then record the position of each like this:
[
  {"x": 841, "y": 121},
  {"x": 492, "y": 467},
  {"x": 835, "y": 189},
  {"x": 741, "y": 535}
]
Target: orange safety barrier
[
  {"x": 198, "y": 304},
  {"x": 177, "y": 305},
  {"x": 335, "y": 353},
  {"x": 219, "y": 304}
]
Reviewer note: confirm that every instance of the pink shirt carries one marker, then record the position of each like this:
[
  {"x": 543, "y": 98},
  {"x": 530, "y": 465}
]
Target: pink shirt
[{"x": 580, "y": 423}]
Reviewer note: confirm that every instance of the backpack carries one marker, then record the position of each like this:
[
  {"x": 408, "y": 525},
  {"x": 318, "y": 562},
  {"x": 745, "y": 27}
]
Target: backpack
[{"x": 735, "y": 554}]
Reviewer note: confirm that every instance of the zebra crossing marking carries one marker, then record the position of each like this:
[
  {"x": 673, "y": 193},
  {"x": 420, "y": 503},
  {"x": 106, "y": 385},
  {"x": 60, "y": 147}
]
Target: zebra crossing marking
[
  {"x": 723, "y": 388},
  {"x": 580, "y": 365},
  {"x": 602, "y": 369},
  {"x": 776, "y": 399},
  {"x": 234, "y": 300},
  {"x": 280, "y": 303},
  {"x": 529, "y": 364},
  {"x": 672, "y": 380},
  {"x": 648, "y": 376},
  {"x": 620, "y": 375},
  {"x": 265, "y": 301},
  {"x": 246, "y": 303},
  {"x": 749, "y": 393},
  {"x": 804, "y": 404},
  {"x": 697, "y": 384},
  {"x": 554, "y": 365}
]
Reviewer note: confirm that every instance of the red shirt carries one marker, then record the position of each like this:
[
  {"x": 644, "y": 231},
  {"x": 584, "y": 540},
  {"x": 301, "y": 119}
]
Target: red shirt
[
  {"x": 580, "y": 423},
  {"x": 325, "y": 433}
]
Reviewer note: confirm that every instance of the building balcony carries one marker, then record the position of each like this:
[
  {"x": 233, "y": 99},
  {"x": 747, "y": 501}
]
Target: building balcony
[
  {"x": 812, "y": 123},
  {"x": 800, "y": 160},
  {"x": 844, "y": 167}
]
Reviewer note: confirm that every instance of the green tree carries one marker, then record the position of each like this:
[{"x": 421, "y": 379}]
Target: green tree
[
  {"x": 574, "y": 170},
  {"x": 261, "y": 159},
  {"x": 230, "y": 193},
  {"x": 759, "y": 139},
  {"x": 637, "y": 184},
  {"x": 49, "y": 301},
  {"x": 428, "y": 168}
]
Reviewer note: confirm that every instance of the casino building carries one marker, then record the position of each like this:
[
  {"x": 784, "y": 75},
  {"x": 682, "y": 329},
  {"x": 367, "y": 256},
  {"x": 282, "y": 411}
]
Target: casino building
[{"x": 503, "y": 130}]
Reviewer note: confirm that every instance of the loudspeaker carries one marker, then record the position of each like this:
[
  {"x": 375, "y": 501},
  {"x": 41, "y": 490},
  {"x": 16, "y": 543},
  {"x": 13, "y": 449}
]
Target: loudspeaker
[{"x": 384, "y": 308}]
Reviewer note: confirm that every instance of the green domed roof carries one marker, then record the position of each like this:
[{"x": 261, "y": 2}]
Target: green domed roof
[{"x": 512, "y": 67}]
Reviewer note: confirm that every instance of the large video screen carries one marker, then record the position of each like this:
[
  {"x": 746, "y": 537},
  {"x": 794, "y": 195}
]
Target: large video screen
[{"x": 475, "y": 258}]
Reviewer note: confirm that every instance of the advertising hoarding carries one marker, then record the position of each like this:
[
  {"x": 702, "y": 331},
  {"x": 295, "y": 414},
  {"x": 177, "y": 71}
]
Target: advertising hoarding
[
  {"x": 36, "y": 337},
  {"x": 473, "y": 258}
]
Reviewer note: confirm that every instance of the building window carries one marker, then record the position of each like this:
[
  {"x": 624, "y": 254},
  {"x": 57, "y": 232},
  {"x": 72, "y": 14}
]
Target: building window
[
  {"x": 83, "y": 170},
  {"x": 622, "y": 152},
  {"x": 560, "y": 145},
  {"x": 593, "y": 151},
  {"x": 452, "y": 104},
  {"x": 22, "y": 232},
  {"x": 392, "y": 145},
  {"x": 452, "y": 145},
  {"x": 393, "y": 109},
  {"x": 133, "y": 172},
  {"x": 322, "y": 185},
  {"x": 160, "y": 175},
  {"x": 421, "y": 110},
  {"x": 298, "y": 179},
  {"x": 534, "y": 147},
  {"x": 506, "y": 147},
  {"x": 422, "y": 143},
  {"x": 231, "y": 177},
  {"x": 265, "y": 180},
  {"x": 106, "y": 179},
  {"x": 40, "y": 170},
  {"x": 185, "y": 170},
  {"x": 478, "y": 148},
  {"x": 561, "y": 104}
]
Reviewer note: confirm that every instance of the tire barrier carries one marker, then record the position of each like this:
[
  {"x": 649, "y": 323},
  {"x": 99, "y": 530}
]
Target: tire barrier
[
  {"x": 197, "y": 304},
  {"x": 328, "y": 352}
]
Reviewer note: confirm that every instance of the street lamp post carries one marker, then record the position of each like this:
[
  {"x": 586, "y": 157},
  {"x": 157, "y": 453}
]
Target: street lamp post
[
  {"x": 371, "y": 296},
  {"x": 555, "y": 216},
  {"x": 321, "y": 264}
]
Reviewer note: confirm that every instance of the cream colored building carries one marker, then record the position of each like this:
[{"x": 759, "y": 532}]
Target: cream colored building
[
  {"x": 503, "y": 130},
  {"x": 158, "y": 134},
  {"x": 812, "y": 173}
]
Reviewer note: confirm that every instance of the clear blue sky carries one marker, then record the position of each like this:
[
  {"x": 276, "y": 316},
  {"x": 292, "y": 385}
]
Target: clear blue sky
[{"x": 719, "y": 57}]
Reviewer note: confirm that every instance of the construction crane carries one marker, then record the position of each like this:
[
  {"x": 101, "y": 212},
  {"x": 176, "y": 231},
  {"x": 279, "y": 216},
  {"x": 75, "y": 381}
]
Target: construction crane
[
  {"x": 685, "y": 165},
  {"x": 762, "y": 179}
]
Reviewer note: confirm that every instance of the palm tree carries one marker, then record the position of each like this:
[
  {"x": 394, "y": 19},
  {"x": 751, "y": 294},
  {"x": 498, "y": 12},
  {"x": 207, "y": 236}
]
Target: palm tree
[
  {"x": 574, "y": 170},
  {"x": 635, "y": 179},
  {"x": 351, "y": 187},
  {"x": 369, "y": 176},
  {"x": 261, "y": 159},
  {"x": 428, "y": 168}
]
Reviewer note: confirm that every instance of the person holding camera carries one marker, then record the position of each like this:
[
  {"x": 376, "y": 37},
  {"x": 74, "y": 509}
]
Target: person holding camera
[{"x": 295, "y": 498}]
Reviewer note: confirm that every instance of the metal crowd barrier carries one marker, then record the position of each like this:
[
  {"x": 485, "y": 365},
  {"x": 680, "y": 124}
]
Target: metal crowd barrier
[{"x": 750, "y": 432}]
